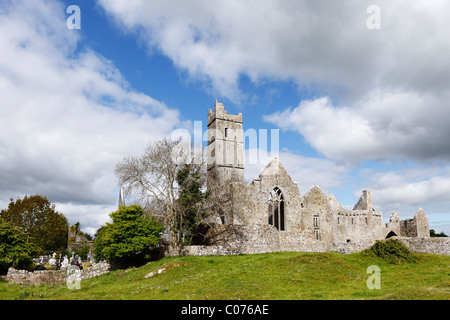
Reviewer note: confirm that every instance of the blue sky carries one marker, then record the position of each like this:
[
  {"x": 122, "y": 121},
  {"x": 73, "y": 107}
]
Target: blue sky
[{"x": 357, "y": 108}]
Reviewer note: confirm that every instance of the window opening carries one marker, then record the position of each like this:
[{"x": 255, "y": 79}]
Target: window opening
[{"x": 276, "y": 209}]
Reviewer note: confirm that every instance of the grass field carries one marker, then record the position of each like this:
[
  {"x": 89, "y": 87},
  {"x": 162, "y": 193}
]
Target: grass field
[{"x": 258, "y": 277}]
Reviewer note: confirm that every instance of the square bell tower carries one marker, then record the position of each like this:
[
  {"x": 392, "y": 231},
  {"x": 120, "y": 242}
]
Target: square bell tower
[{"x": 225, "y": 145}]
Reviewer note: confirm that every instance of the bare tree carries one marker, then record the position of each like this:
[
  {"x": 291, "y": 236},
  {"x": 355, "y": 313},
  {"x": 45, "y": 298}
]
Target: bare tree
[
  {"x": 151, "y": 180},
  {"x": 222, "y": 211},
  {"x": 225, "y": 198}
]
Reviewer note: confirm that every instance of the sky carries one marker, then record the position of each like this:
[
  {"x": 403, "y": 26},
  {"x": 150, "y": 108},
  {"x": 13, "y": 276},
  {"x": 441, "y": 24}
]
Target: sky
[{"x": 360, "y": 96}]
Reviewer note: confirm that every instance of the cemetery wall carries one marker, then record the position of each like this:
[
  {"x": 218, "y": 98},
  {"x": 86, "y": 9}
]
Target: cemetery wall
[{"x": 24, "y": 277}]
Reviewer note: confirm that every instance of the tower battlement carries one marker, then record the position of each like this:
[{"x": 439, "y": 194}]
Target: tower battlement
[{"x": 219, "y": 112}]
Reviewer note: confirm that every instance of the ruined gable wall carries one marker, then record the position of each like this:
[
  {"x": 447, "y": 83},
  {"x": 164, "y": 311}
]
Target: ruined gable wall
[
  {"x": 317, "y": 216},
  {"x": 256, "y": 201},
  {"x": 415, "y": 227},
  {"x": 422, "y": 225}
]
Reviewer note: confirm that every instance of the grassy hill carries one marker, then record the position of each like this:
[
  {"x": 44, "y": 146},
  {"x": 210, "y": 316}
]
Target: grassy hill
[{"x": 260, "y": 277}]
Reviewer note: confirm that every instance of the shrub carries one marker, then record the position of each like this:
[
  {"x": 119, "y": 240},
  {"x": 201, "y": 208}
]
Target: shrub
[
  {"x": 392, "y": 250},
  {"x": 129, "y": 239}
]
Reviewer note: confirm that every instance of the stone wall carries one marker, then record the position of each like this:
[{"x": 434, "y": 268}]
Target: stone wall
[
  {"x": 199, "y": 251},
  {"x": 258, "y": 238},
  {"x": 24, "y": 277},
  {"x": 268, "y": 245},
  {"x": 430, "y": 245},
  {"x": 262, "y": 238}
]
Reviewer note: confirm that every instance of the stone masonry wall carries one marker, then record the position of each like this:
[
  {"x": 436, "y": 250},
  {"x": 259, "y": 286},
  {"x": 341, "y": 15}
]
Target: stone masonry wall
[
  {"x": 430, "y": 245},
  {"x": 262, "y": 238},
  {"x": 258, "y": 239},
  {"x": 24, "y": 277}
]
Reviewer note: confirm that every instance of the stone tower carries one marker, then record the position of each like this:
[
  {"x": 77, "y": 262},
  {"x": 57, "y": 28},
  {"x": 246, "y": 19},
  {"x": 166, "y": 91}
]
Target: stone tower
[{"x": 225, "y": 146}]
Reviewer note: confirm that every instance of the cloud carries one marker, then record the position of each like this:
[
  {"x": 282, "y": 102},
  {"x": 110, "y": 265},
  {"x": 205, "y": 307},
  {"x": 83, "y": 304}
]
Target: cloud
[
  {"x": 67, "y": 114},
  {"x": 322, "y": 45},
  {"x": 372, "y": 94},
  {"x": 410, "y": 187},
  {"x": 385, "y": 125},
  {"x": 306, "y": 171},
  {"x": 91, "y": 217}
]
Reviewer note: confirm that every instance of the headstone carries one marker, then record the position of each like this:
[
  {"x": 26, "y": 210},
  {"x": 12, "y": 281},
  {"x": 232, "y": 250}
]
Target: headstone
[
  {"x": 90, "y": 256},
  {"x": 73, "y": 261},
  {"x": 52, "y": 262},
  {"x": 65, "y": 263}
]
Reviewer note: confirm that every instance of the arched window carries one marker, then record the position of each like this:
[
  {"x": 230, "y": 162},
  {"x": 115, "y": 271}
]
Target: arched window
[{"x": 276, "y": 209}]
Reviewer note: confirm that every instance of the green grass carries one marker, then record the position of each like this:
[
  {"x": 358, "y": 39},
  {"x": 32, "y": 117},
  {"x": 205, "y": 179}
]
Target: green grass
[{"x": 262, "y": 277}]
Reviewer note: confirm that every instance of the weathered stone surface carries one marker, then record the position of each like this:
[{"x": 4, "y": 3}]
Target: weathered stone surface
[
  {"x": 422, "y": 226},
  {"x": 365, "y": 201},
  {"x": 24, "y": 277},
  {"x": 35, "y": 278},
  {"x": 270, "y": 215},
  {"x": 225, "y": 144},
  {"x": 430, "y": 245}
]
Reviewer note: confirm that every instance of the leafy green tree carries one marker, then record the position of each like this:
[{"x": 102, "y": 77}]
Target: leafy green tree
[
  {"x": 434, "y": 234},
  {"x": 129, "y": 239},
  {"x": 190, "y": 200},
  {"x": 14, "y": 249},
  {"x": 37, "y": 218}
]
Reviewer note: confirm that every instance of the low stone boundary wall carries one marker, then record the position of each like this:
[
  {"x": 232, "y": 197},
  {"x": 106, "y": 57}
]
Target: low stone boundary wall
[
  {"x": 431, "y": 245},
  {"x": 342, "y": 248},
  {"x": 255, "y": 238},
  {"x": 199, "y": 251},
  {"x": 24, "y": 277},
  {"x": 347, "y": 248}
]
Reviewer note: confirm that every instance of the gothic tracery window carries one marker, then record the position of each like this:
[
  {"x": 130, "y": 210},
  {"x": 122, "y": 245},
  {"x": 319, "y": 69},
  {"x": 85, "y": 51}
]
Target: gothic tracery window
[{"x": 276, "y": 209}]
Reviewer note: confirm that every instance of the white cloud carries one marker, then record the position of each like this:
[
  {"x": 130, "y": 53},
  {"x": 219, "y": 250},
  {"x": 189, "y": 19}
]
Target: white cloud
[
  {"x": 66, "y": 119},
  {"x": 91, "y": 217},
  {"x": 410, "y": 188},
  {"x": 306, "y": 171},
  {"x": 387, "y": 89},
  {"x": 324, "y": 45},
  {"x": 394, "y": 125}
]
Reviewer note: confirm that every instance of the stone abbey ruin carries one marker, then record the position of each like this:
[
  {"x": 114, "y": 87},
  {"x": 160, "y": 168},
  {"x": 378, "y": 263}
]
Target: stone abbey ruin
[{"x": 270, "y": 214}]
